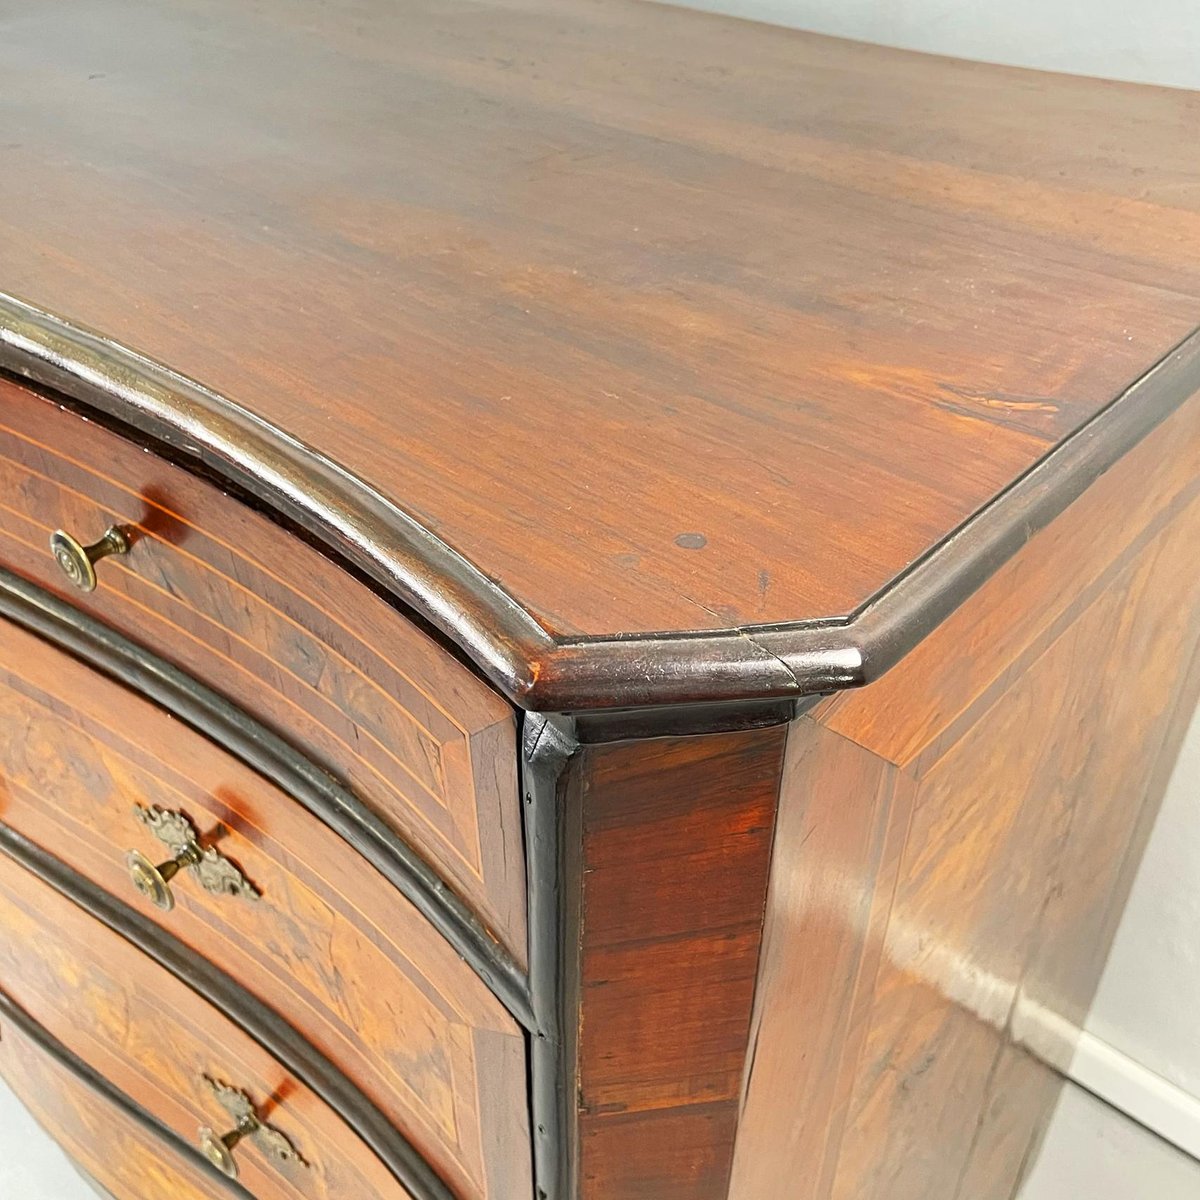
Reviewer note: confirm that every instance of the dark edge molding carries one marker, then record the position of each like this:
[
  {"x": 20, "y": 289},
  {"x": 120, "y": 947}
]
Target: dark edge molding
[
  {"x": 509, "y": 647},
  {"x": 554, "y": 847},
  {"x": 680, "y": 720},
  {"x": 12, "y": 1014},
  {"x": 320, "y": 793},
  {"x": 340, "y": 511},
  {"x": 271, "y": 1032}
]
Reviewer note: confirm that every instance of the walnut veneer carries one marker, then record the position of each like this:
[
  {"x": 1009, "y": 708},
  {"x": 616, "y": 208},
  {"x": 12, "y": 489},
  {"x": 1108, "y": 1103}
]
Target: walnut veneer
[
  {"x": 357, "y": 969},
  {"x": 219, "y": 590},
  {"x": 654, "y": 560},
  {"x": 120, "y": 1146}
]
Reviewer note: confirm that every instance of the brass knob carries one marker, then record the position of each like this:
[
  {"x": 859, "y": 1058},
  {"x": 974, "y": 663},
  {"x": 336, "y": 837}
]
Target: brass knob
[
  {"x": 153, "y": 879},
  {"x": 218, "y": 1147},
  {"x": 212, "y": 869},
  {"x": 78, "y": 562}
]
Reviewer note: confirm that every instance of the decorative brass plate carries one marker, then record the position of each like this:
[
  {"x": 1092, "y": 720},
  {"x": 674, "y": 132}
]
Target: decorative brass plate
[
  {"x": 176, "y": 831},
  {"x": 218, "y": 1148}
]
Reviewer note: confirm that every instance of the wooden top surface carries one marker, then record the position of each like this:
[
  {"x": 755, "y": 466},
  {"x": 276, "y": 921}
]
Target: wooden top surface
[{"x": 660, "y": 321}]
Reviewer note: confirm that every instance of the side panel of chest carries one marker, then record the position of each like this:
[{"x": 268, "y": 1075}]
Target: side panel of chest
[{"x": 954, "y": 849}]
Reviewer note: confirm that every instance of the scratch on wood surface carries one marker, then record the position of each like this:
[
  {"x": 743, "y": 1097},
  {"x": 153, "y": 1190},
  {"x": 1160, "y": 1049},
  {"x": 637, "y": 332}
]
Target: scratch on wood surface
[{"x": 1004, "y": 401}]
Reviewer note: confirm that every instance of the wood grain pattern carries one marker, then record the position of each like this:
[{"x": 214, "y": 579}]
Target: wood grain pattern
[
  {"x": 154, "y": 1039},
  {"x": 352, "y": 965},
  {"x": 691, "y": 346},
  {"x": 860, "y": 288},
  {"x": 249, "y": 609},
  {"x": 838, "y": 842},
  {"x": 1009, "y": 838},
  {"x": 676, "y": 845},
  {"x": 914, "y": 708},
  {"x": 1023, "y": 1088},
  {"x": 119, "y": 1152}
]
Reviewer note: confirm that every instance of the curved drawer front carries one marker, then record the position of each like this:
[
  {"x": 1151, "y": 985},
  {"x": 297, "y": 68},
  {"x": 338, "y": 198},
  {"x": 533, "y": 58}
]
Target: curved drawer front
[
  {"x": 268, "y": 621},
  {"x": 163, "y": 1046},
  {"x": 118, "y": 1146},
  {"x": 313, "y": 931}
]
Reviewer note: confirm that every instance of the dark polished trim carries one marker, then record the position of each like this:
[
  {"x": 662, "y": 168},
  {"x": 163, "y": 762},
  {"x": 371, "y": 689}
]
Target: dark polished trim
[
  {"x": 320, "y": 793},
  {"x": 682, "y": 720},
  {"x": 341, "y": 511},
  {"x": 267, "y": 1028},
  {"x": 553, "y": 808},
  {"x": 11, "y": 1013},
  {"x": 553, "y": 837},
  {"x": 508, "y": 645}
]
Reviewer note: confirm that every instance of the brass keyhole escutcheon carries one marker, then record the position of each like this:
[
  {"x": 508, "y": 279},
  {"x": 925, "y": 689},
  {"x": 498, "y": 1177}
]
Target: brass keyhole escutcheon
[
  {"x": 78, "y": 562},
  {"x": 214, "y": 872},
  {"x": 218, "y": 1147}
]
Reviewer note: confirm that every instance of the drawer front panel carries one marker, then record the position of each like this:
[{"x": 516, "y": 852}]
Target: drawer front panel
[
  {"x": 268, "y": 621},
  {"x": 158, "y": 1042},
  {"x": 328, "y": 943},
  {"x": 119, "y": 1148}
]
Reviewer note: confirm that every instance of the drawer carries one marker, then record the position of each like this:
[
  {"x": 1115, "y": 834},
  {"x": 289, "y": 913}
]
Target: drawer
[
  {"x": 118, "y": 1146},
  {"x": 262, "y": 617},
  {"x": 318, "y": 934},
  {"x": 169, "y": 1050}
]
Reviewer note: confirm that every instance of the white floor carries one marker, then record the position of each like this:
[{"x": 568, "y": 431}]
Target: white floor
[
  {"x": 31, "y": 1166},
  {"x": 1092, "y": 1153}
]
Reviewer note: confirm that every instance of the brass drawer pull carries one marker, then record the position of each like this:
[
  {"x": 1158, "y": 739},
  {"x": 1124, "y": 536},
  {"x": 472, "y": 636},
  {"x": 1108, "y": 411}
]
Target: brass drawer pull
[
  {"x": 78, "y": 562},
  {"x": 176, "y": 831},
  {"x": 218, "y": 1147}
]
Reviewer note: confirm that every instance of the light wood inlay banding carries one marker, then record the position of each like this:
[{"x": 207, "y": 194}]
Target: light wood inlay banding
[
  {"x": 352, "y": 964},
  {"x": 154, "y": 1039},
  {"x": 267, "y": 620}
]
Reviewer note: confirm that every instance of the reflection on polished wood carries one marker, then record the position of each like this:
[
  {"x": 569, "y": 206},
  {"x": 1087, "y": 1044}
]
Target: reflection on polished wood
[
  {"x": 925, "y": 911},
  {"x": 663, "y": 551},
  {"x": 263, "y": 618},
  {"x": 157, "y": 1041},
  {"x": 118, "y": 1147},
  {"x": 329, "y": 942},
  {"x": 660, "y": 321},
  {"x": 952, "y": 850}
]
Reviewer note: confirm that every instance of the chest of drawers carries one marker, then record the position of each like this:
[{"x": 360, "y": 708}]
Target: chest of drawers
[{"x": 595, "y": 602}]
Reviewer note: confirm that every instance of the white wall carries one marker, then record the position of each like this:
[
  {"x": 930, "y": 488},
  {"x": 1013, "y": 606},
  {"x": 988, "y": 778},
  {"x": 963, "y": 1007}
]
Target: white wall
[
  {"x": 1149, "y": 997},
  {"x": 1141, "y": 1051},
  {"x": 1148, "y": 41}
]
